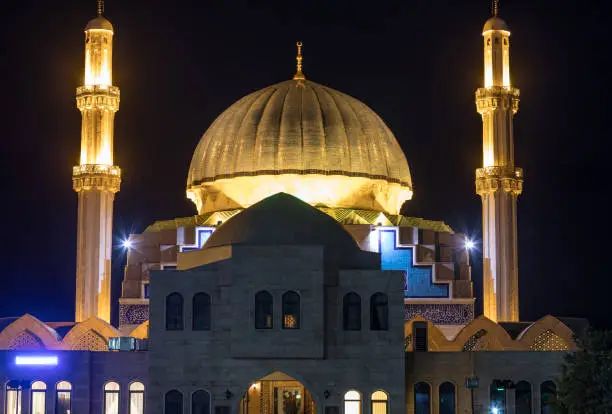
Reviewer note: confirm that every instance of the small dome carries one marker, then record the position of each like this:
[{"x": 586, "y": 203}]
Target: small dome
[
  {"x": 304, "y": 139},
  {"x": 99, "y": 23},
  {"x": 495, "y": 23},
  {"x": 282, "y": 220}
]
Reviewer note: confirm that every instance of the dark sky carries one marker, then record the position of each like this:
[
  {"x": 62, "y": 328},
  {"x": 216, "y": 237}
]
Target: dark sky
[{"x": 417, "y": 63}]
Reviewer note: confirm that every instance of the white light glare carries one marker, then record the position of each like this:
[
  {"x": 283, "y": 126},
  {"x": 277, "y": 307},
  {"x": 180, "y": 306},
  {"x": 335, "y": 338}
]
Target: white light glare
[
  {"x": 495, "y": 410},
  {"x": 469, "y": 245},
  {"x": 35, "y": 360},
  {"x": 127, "y": 244}
]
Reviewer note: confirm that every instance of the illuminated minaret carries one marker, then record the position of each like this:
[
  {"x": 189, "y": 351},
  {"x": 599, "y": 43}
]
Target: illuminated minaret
[
  {"x": 499, "y": 182},
  {"x": 96, "y": 179}
]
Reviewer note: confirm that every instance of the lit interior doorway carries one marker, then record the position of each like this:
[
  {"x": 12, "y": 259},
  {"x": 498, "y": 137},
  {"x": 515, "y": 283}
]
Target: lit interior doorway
[{"x": 277, "y": 393}]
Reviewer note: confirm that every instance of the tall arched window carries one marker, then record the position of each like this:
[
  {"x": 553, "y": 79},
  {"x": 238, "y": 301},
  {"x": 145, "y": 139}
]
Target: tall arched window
[
  {"x": 548, "y": 395},
  {"x": 111, "y": 398},
  {"x": 380, "y": 402},
  {"x": 497, "y": 396},
  {"x": 201, "y": 312},
  {"x": 291, "y": 310},
  {"x": 13, "y": 397},
  {"x": 39, "y": 397},
  {"x": 422, "y": 398},
  {"x": 63, "y": 397},
  {"x": 174, "y": 312},
  {"x": 351, "y": 312},
  {"x": 264, "y": 307},
  {"x": 173, "y": 402},
  {"x": 200, "y": 402},
  {"x": 522, "y": 397},
  {"x": 447, "y": 398},
  {"x": 137, "y": 390},
  {"x": 379, "y": 312},
  {"x": 352, "y": 402}
]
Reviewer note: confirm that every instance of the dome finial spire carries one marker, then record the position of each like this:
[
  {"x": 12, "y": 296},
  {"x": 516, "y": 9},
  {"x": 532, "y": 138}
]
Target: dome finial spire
[
  {"x": 495, "y": 7},
  {"x": 299, "y": 75},
  {"x": 100, "y": 7}
]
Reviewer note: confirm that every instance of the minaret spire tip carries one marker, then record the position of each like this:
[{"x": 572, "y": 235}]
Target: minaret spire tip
[
  {"x": 100, "y": 7},
  {"x": 299, "y": 75},
  {"x": 495, "y": 7}
]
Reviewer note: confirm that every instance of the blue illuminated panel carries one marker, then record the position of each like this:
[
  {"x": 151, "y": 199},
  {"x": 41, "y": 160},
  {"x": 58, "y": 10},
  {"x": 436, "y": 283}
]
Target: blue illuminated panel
[
  {"x": 35, "y": 360},
  {"x": 418, "y": 282},
  {"x": 202, "y": 234}
]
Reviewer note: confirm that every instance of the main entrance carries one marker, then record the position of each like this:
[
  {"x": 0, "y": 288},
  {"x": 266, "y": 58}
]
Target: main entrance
[{"x": 277, "y": 393}]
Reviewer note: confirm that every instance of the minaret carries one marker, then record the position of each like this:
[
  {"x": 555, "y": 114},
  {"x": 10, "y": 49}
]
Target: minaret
[
  {"x": 96, "y": 179},
  {"x": 499, "y": 182}
]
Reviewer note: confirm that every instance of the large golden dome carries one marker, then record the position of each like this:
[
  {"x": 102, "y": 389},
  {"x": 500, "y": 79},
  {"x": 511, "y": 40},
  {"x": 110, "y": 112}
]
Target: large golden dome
[{"x": 304, "y": 139}]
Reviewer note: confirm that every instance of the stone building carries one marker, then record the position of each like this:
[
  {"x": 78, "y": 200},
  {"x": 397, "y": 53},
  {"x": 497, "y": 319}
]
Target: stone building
[{"x": 298, "y": 287}]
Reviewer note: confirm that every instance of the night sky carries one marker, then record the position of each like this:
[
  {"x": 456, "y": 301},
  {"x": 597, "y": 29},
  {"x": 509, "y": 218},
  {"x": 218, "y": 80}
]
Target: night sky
[{"x": 179, "y": 64}]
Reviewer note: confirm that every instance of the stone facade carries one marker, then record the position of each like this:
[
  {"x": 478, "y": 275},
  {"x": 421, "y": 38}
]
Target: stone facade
[{"x": 326, "y": 359}]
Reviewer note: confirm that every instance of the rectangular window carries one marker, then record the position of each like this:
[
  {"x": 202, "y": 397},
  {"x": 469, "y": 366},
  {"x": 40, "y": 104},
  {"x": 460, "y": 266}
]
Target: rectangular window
[
  {"x": 145, "y": 290},
  {"x": 136, "y": 402},
  {"x": 63, "y": 402},
  {"x": 13, "y": 401},
  {"x": 38, "y": 402},
  {"x": 111, "y": 402},
  {"x": 222, "y": 409}
]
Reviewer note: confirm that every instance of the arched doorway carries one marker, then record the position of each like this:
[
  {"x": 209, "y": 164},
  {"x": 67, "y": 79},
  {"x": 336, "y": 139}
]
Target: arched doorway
[{"x": 277, "y": 393}]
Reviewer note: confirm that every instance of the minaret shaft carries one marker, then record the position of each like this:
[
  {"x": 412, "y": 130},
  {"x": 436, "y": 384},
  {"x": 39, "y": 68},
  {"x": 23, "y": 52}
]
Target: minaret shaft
[
  {"x": 499, "y": 182},
  {"x": 96, "y": 179}
]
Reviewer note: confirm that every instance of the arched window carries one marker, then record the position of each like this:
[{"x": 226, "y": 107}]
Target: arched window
[
  {"x": 291, "y": 310},
  {"x": 379, "y": 312},
  {"x": 173, "y": 402},
  {"x": 522, "y": 397},
  {"x": 352, "y": 402},
  {"x": 422, "y": 398},
  {"x": 380, "y": 402},
  {"x": 447, "y": 398},
  {"x": 497, "y": 396},
  {"x": 174, "y": 312},
  {"x": 63, "y": 394},
  {"x": 548, "y": 395},
  {"x": 351, "y": 312},
  {"x": 264, "y": 306},
  {"x": 137, "y": 390},
  {"x": 200, "y": 402},
  {"x": 201, "y": 312},
  {"x": 39, "y": 397},
  {"x": 111, "y": 398},
  {"x": 13, "y": 397}
]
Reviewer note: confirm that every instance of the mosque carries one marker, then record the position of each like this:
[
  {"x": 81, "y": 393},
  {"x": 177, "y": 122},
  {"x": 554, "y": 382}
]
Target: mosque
[{"x": 298, "y": 287}]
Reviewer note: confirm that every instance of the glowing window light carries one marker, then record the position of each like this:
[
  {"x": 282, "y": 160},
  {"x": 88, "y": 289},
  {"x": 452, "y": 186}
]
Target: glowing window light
[{"x": 36, "y": 360}]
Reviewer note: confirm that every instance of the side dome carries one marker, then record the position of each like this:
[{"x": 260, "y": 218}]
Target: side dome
[
  {"x": 282, "y": 220},
  {"x": 304, "y": 139}
]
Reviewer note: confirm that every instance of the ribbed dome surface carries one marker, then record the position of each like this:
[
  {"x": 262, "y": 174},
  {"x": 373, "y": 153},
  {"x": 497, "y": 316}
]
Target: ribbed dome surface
[{"x": 298, "y": 128}]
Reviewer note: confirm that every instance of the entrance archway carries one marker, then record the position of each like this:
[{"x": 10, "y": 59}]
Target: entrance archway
[{"x": 277, "y": 393}]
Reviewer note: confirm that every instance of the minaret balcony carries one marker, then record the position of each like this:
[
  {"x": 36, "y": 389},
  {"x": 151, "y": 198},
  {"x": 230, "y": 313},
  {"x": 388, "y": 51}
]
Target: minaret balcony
[
  {"x": 97, "y": 96},
  {"x": 497, "y": 97},
  {"x": 96, "y": 176},
  {"x": 506, "y": 178}
]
